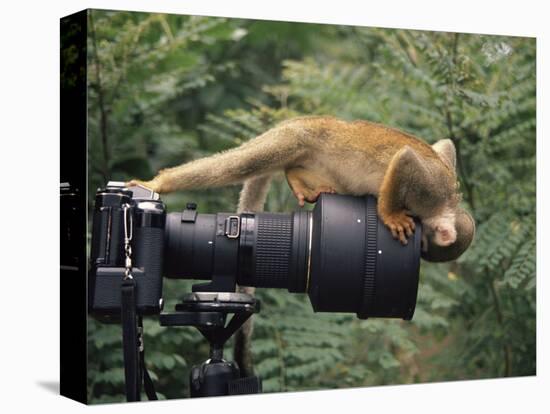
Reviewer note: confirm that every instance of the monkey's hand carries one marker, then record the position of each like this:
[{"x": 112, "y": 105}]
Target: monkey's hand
[
  {"x": 307, "y": 185},
  {"x": 152, "y": 184},
  {"x": 311, "y": 196},
  {"x": 400, "y": 225}
]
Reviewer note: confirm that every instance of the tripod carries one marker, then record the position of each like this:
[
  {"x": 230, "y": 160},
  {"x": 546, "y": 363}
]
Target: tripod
[{"x": 208, "y": 312}]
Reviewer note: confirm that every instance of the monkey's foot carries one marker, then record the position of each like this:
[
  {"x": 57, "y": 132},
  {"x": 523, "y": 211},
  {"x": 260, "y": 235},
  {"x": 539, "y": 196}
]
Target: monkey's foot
[
  {"x": 312, "y": 196},
  {"x": 400, "y": 225},
  {"x": 301, "y": 199}
]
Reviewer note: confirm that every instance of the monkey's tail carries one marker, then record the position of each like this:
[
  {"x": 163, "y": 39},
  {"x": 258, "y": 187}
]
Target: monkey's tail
[
  {"x": 265, "y": 154},
  {"x": 252, "y": 198}
]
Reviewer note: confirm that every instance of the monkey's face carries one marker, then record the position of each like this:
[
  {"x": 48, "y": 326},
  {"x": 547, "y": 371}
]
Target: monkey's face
[
  {"x": 465, "y": 232},
  {"x": 440, "y": 229}
]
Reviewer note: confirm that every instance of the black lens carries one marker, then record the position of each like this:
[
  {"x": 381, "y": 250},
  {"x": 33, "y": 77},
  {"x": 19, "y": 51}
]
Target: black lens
[
  {"x": 356, "y": 264},
  {"x": 340, "y": 253}
]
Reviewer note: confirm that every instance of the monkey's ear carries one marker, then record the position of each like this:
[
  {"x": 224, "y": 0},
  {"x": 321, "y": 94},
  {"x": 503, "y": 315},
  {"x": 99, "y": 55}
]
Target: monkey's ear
[{"x": 446, "y": 150}]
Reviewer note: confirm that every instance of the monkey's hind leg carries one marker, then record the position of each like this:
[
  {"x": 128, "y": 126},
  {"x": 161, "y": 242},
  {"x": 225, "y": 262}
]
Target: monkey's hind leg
[
  {"x": 392, "y": 206},
  {"x": 252, "y": 198},
  {"x": 306, "y": 185}
]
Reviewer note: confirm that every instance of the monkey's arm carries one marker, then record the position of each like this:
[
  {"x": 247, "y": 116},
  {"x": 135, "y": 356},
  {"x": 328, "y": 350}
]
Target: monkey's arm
[{"x": 404, "y": 169}]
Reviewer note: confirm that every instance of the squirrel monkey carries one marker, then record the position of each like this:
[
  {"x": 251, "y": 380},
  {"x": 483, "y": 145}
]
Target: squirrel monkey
[{"x": 325, "y": 154}]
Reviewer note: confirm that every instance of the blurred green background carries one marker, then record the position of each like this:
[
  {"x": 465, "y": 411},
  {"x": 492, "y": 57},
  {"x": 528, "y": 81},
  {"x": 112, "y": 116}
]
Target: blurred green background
[{"x": 166, "y": 89}]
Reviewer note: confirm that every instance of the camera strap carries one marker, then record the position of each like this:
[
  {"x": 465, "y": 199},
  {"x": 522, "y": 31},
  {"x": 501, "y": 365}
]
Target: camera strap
[
  {"x": 132, "y": 327},
  {"x": 130, "y": 340},
  {"x": 147, "y": 381}
]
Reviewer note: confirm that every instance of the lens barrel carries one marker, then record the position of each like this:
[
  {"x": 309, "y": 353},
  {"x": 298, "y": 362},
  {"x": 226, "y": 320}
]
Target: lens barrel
[
  {"x": 356, "y": 264},
  {"x": 273, "y": 250},
  {"x": 341, "y": 254}
]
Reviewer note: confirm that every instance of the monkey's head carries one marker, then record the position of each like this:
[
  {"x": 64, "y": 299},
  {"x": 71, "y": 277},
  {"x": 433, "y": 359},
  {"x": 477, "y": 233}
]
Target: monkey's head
[
  {"x": 449, "y": 232},
  {"x": 446, "y": 242}
]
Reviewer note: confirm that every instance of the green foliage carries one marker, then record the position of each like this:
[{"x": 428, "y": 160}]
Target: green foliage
[
  {"x": 291, "y": 349},
  {"x": 173, "y": 88}
]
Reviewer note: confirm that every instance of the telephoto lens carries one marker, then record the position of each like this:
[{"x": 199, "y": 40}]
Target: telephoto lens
[{"x": 340, "y": 253}]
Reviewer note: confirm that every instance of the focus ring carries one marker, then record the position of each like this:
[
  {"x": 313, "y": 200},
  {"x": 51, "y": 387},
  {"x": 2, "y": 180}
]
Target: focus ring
[
  {"x": 272, "y": 250},
  {"x": 371, "y": 241}
]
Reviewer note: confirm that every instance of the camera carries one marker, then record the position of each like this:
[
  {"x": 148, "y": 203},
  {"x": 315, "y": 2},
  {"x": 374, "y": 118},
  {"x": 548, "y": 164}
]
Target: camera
[
  {"x": 140, "y": 215},
  {"x": 339, "y": 253}
]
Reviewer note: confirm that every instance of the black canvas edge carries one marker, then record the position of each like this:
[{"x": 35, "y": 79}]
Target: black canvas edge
[{"x": 73, "y": 170}]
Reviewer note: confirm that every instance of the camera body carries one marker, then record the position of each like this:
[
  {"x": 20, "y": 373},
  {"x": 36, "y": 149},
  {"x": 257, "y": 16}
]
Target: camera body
[{"x": 145, "y": 223}]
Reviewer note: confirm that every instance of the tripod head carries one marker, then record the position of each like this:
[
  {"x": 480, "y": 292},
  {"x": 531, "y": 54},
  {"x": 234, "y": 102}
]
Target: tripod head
[{"x": 208, "y": 312}]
